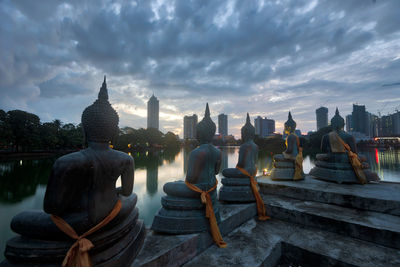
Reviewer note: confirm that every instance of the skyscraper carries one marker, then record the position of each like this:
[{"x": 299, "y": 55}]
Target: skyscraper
[
  {"x": 153, "y": 112},
  {"x": 264, "y": 127},
  {"x": 189, "y": 127},
  {"x": 223, "y": 124},
  {"x": 359, "y": 119},
  {"x": 322, "y": 117},
  {"x": 396, "y": 123},
  {"x": 349, "y": 123}
]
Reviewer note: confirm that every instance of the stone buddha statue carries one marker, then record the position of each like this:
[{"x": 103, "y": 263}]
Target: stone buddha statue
[
  {"x": 235, "y": 188},
  {"x": 285, "y": 163},
  {"x": 82, "y": 192},
  {"x": 182, "y": 210},
  {"x": 339, "y": 150}
]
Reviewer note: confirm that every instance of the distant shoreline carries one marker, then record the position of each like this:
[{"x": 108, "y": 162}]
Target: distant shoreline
[{"x": 39, "y": 154}]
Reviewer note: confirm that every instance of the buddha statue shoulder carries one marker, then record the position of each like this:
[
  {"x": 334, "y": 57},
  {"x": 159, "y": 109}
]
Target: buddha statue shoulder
[
  {"x": 338, "y": 150},
  {"x": 182, "y": 210},
  {"x": 84, "y": 182},
  {"x": 204, "y": 161},
  {"x": 81, "y": 190},
  {"x": 291, "y": 140},
  {"x": 236, "y": 185},
  {"x": 248, "y": 153},
  {"x": 288, "y": 165}
]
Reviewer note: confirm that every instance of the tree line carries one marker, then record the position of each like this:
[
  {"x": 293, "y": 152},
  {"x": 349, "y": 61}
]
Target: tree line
[{"x": 21, "y": 131}]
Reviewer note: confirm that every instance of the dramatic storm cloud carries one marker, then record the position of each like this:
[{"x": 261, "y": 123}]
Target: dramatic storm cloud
[{"x": 261, "y": 57}]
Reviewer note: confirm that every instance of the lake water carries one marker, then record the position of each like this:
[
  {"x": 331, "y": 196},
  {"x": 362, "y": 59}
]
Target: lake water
[{"x": 23, "y": 182}]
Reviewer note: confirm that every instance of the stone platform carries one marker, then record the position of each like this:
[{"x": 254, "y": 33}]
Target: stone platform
[
  {"x": 175, "y": 250},
  {"x": 316, "y": 223},
  {"x": 381, "y": 197}
]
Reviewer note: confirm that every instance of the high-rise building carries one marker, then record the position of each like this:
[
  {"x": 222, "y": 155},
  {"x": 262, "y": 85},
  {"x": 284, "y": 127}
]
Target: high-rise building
[
  {"x": 189, "y": 127},
  {"x": 360, "y": 119},
  {"x": 322, "y": 117},
  {"x": 373, "y": 124},
  {"x": 349, "y": 123},
  {"x": 264, "y": 127},
  {"x": 223, "y": 124},
  {"x": 386, "y": 126},
  {"x": 396, "y": 123},
  {"x": 153, "y": 113}
]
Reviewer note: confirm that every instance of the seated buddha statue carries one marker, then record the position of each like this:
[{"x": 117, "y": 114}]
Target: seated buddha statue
[
  {"x": 182, "y": 210},
  {"x": 81, "y": 192},
  {"x": 340, "y": 162},
  {"x": 235, "y": 188},
  {"x": 288, "y": 165}
]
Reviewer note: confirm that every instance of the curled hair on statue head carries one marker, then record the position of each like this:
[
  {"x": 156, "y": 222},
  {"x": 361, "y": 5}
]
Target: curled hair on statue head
[
  {"x": 290, "y": 124},
  {"x": 248, "y": 131},
  {"x": 100, "y": 120},
  {"x": 337, "y": 122},
  {"x": 206, "y": 128}
]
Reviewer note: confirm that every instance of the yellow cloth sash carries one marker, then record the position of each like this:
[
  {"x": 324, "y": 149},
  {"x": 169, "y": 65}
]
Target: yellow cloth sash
[
  {"x": 206, "y": 199},
  {"x": 298, "y": 170},
  {"x": 78, "y": 254},
  {"x": 353, "y": 158},
  {"x": 260, "y": 203}
]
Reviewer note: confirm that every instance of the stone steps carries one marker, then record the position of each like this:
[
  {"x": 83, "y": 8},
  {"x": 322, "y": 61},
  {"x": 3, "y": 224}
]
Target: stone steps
[
  {"x": 382, "y": 197},
  {"x": 174, "y": 250},
  {"x": 275, "y": 242},
  {"x": 379, "y": 228}
]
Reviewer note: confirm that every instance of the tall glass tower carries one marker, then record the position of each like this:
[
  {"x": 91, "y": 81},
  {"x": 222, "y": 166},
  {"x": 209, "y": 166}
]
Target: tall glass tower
[{"x": 153, "y": 112}]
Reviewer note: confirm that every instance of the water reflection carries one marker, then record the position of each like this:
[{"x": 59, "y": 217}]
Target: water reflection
[
  {"x": 20, "y": 178},
  {"x": 386, "y": 163},
  {"x": 152, "y": 176}
]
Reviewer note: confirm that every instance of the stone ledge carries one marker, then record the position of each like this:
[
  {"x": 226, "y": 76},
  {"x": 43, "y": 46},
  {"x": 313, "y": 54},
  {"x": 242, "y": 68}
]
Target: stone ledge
[
  {"x": 175, "y": 250},
  {"x": 267, "y": 243},
  {"x": 382, "y": 197},
  {"x": 379, "y": 228}
]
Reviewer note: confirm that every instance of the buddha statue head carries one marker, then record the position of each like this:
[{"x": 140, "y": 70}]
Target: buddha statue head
[
  {"x": 290, "y": 125},
  {"x": 248, "y": 131},
  {"x": 337, "y": 122},
  {"x": 206, "y": 128},
  {"x": 100, "y": 120}
]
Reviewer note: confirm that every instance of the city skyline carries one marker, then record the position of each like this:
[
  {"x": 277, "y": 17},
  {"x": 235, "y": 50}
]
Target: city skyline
[{"x": 262, "y": 57}]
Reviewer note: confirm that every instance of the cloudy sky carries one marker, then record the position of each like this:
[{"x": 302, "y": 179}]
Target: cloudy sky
[{"x": 261, "y": 57}]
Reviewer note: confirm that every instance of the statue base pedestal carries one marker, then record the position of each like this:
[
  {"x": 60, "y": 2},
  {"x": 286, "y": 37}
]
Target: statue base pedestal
[
  {"x": 117, "y": 246},
  {"x": 337, "y": 168},
  {"x": 283, "y": 169},
  {"x": 332, "y": 175},
  {"x": 237, "y": 190},
  {"x": 40, "y": 242},
  {"x": 182, "y": 211}
]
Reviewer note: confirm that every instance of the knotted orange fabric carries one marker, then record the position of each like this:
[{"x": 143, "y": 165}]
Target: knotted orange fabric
[
  {"x": 353, "y": 158},
  {"x": 78, "y": 254},
  {"x": 206, "y": 199},
  {"x": 260, "y": 203},
  {"x": 298, "y": 169}
]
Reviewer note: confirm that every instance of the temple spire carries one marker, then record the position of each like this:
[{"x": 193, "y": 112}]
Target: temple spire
[
  {"x": 207, "y": 113},
  {"x": 337, "y": 111},
  {"x": 248, "y": 118},
  {"x": 103, "y": 93}
]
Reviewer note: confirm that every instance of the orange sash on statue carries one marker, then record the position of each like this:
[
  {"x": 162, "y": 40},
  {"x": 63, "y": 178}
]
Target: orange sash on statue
[
  {"x": 260, "y": 204},
  {"x": 353, "y": 157},
  {"x": 78, "y": 254},
  {"x": 206, "y": 199},
  {"x": 298, "y": 169}
]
